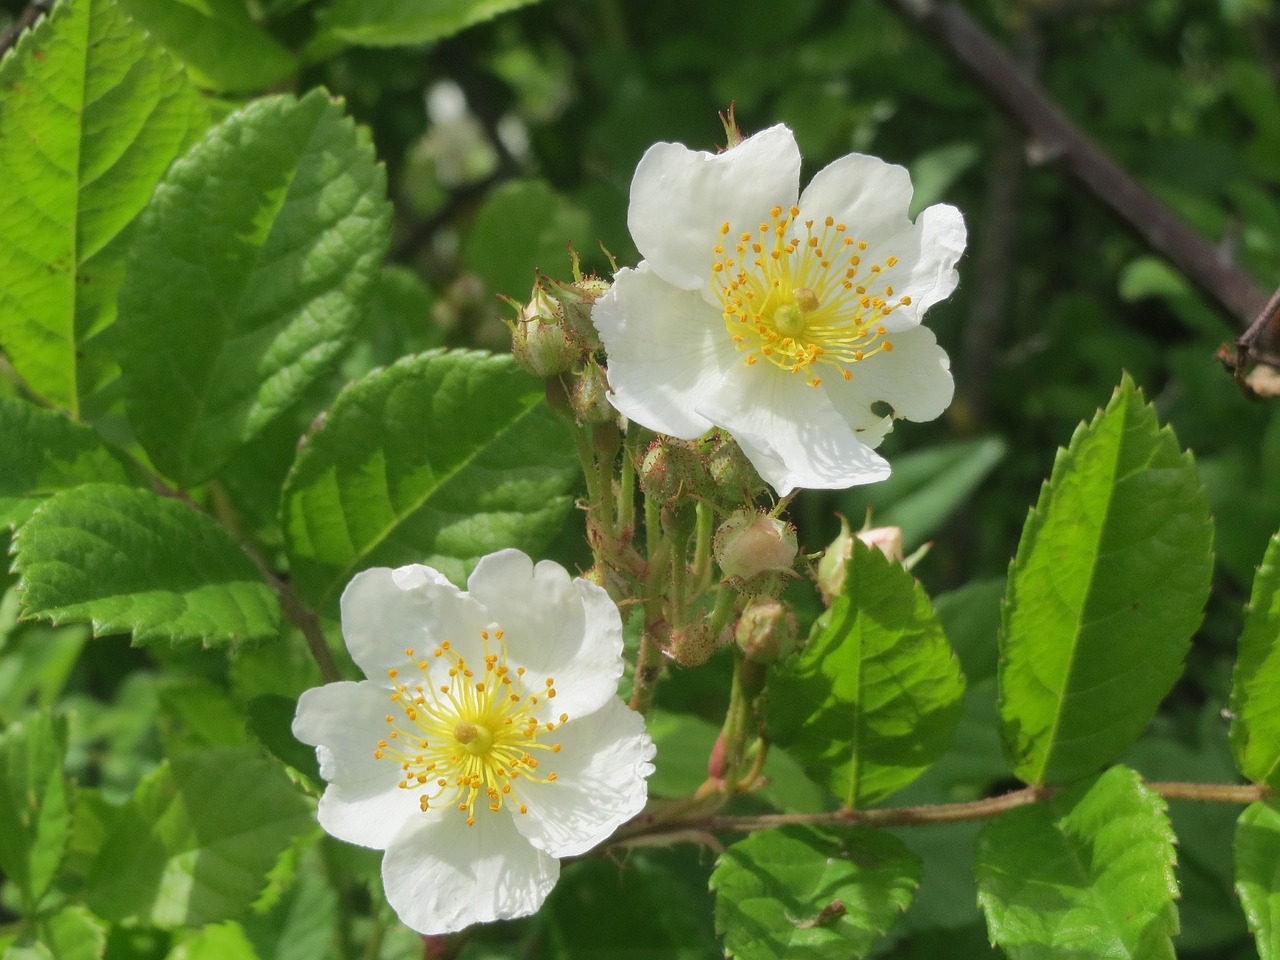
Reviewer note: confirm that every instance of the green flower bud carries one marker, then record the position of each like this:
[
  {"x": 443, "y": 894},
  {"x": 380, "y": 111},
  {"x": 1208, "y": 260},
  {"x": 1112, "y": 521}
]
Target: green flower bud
[
  {"x": 669, "y": 470},
  {"x": 831, "y": 568},
  {"x": 766, "y": 631},
  {"x": 539, "y": 340},
  {"x": 692, "y": 646},
  {"x": 591, "y": 396},
  {"x": 733, "y": 479}
]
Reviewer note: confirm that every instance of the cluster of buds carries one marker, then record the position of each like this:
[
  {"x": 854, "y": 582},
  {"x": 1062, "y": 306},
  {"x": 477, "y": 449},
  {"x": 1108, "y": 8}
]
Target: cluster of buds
[{"x": 712, "y": 468}]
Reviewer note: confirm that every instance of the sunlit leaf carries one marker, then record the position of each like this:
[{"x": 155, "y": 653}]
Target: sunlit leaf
[
  {"x": 35, "y": 804},
  {"x": 127, "y": 560},
  {"x": 439, "y": 459},
  {"x": 1257, "y": 849},
  {"x": 802, "y": 894},
  {"x": 1255, "y": 695},
  {"x": 1108, "y": 585}
]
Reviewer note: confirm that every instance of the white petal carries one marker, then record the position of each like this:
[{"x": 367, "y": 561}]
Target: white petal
[
  {"x": 362, "y": 803},
  {"x": 681, "y": 197},
  {"x": 791, "y": 432},
  {"x": 915, "y": 379},
  {"x": 940, "y": 241},
  {"x": 555, "y": 627},
  {"x": 600, "y": 781},
  {"x": 385, "y": 612},
  {"x": 441, "y": 876},
  {"x": 667, "y": 348},
  {"x": 868, "y": 195}
]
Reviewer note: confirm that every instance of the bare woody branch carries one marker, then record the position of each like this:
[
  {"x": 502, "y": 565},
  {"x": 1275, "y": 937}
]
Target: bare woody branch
[{"x": 1055, "y": 137}]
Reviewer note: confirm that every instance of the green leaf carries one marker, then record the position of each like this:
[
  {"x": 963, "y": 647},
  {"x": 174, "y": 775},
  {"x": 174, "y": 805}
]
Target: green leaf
[
  {"x": 873, "y": 699},
  {"x": 221, "y": 45},
  {"x": 1257, "y": 849},
  {"x": 390, "y": 23},
  {"x": 439, "y": 459},
  {"x": 798, "y": 892},
  {"x": 1108, "y": 585},
  {"x": 524, "y": 226},
  {"x": 1255, "y": 693},
  {"x": 35, "y": 804},
  {"x": 1088, "y": 874},
  {"x": 222, "y": 941},
  {"x": 73, "y": 933},
  {"x": 304, "y": 924},
  {"x": 247, "y": 277},
  {"x": 44, "y": 452},
  {"x": 195, "y": 842},
  {"x": 128, "y": 560},
  {"x": 927, "y": 487},
  {"x": 93, "y": 114}
]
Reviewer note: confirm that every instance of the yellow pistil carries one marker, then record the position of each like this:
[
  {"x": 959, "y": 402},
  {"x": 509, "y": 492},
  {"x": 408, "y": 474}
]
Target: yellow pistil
[
  {"x": 797, "y": 293},
  {"x": 470, "y": 738}
]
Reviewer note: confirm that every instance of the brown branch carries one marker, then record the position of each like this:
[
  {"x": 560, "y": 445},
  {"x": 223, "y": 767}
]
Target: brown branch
[
  {"x": 1055, "y": 137},
  {"x": 656, "y": 824},
  {"x": 26, "y": 19}
]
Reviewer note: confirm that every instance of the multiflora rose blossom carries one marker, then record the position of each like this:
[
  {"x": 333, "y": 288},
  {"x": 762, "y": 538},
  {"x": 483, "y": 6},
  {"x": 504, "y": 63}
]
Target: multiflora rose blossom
[
  {"x": 784, "y": 320},
  {"x": 488, "y": 740}
]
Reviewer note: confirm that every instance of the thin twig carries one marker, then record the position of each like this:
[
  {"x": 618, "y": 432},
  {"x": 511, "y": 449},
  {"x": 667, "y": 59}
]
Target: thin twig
[
  {"x": 1054, "y": 137},
  {"x": 650, "y": 825}
]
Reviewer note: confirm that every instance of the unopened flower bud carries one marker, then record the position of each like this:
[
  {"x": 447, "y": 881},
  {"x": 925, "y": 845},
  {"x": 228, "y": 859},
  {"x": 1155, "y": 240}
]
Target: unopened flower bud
[
  {"x": 591, "y": 396},
  {"x": 539, "y": 340},
  {"x": 766, "y": 631},
  {"x": 668, "y": 470},
  {"x": 692, "y": 646},
  {"x": 734, "y": 480},
  {"x": 750, "y": 544},
  {"x": 831, "y": 568},
  {"x": 576, "y": 300}
]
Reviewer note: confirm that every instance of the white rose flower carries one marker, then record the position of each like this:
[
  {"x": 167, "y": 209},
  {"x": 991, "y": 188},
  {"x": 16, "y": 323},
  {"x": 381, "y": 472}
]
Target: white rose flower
[
  {"x": 781, "y": 320},
  {"x": 488, "y": 740}
]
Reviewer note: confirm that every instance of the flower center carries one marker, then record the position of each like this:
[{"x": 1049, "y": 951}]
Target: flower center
[
  {"x": 798, "y": 301},
  {"x": 468, "y": 738}
]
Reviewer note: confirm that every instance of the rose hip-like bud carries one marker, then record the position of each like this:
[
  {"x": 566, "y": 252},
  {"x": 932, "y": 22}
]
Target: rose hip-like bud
[
  {"x": 750, "y": 544},
  {"x": 591, "y": 396},
  {"x": 692, "y": 646},
  {"x": 668, "y": 470},
  {"x": 766, "y": 631},
  {"x": 733, "y": 479}
]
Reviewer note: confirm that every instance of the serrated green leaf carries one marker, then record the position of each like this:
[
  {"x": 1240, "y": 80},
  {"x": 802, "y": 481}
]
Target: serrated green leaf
[
  {"x": 93, "y": 114},
  {"x": 439, "y": 459},
  {"x": 1087, "y": 875},
  {"x": 1255, "y": 692},
  {"x": 45, "y": 452},
  {"x": 391, "y": 23},
  {"x": 524, "y": 226},
  {"x": 197, "y": 839},
  {"x": 1257, "y": 850},
  {"x": 35, "y": 804},
  {"x": 128, "y": 560},
  {"x": 803, "y": 894},
  {"x": 218, "y": 41},
  {"x": 874, "y": 697},
  {"x": 1108, "y": 586},
  {"x": 304, "y": 924},
  {"x": 73, "y": 933},
  {"x": 247, "y": 278}
]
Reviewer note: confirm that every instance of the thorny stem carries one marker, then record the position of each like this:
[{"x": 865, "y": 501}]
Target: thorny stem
[{"x": 650, "y": 825}]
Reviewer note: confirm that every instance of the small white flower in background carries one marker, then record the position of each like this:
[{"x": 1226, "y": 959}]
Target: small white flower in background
[
  {"x": 778, "y": 318},
  {"x": 488, "y": 741}
]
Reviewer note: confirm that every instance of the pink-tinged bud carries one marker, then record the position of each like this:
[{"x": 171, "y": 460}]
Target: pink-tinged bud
[
  {"x": 888, "y": 540},
  {"x": 831, "y": 568},
  {"x": 766, "y": 632},
  {"x": 751, "y": 544}
]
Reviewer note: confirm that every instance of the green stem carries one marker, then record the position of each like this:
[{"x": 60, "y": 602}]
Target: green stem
[
  {"x": 627, "y": 484},
  {"x": 702, "y": 546},
  {"x": 735, "y": 726},
  {"x": 649, "y": 657}
]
